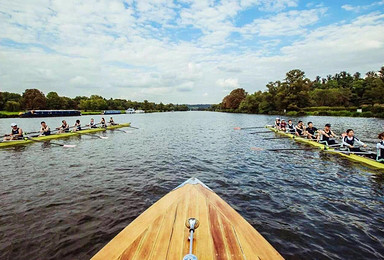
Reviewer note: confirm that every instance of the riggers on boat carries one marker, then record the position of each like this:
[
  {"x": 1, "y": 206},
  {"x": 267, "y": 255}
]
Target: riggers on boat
[
  {"x": 190, "y": 210},
  {"x": 62, "y": 135},
  {"x": 351, "y": 156}
]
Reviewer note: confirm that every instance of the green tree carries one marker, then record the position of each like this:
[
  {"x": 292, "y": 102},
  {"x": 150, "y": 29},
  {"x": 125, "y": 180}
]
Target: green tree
[
  {"x": 8, "y": 96},
  {"x": 12, "y": 106},
  {"x": 34, "y": 99},
  {"x": 54, "y": 101}
]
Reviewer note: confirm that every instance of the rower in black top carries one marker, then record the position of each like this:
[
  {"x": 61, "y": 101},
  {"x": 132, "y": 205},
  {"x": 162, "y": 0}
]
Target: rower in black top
[
  {"x": 311, "y": 131},
  {"x": 277, "y": 123},
  {"x": 290, "y": 127},
  {"x": 16, "y": 133},
  {"x": 44, "y": 130},
  {"x": 380, "y": 148},
  {"x": 63, "y": 128},
  {"x": 77, "y": 126},
  {"x": 111, "y": 121},
  {"x": 300, "y": 129},
  {"x": 92, "y": 123},
  {"x": 103, "y": 123},
  {"x": 352, "y": 142},
  {"x": 325, "y": 136}
]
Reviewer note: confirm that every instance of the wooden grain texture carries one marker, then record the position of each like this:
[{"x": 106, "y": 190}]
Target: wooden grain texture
[{"x": 160, "y": 232}]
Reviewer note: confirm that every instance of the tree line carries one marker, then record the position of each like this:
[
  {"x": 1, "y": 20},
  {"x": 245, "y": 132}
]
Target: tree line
[
  {"x": 35, "y": 99},
  {"x": 298, "y": 95}
]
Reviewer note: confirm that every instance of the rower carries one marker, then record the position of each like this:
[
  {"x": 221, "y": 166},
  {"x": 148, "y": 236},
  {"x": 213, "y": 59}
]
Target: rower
[
  {"x": 350, "y": 141},
  {"x": 325, "y": 136},
  {"x": 111, "y": 122},
  {"x": 16, "y": 133},
  {"x": 380, "y": 148},
  {"x": 283, "y": 125},
  {"x": 290, "y": 127},
  {"x": 44, "y": 130},
  {"x": 103, "y": 123},
  {"x": 92, "y": 123},
  {"x": 277, "y": 123},
  {"x": 77, "y": 126},
  {"x": 63, "y": 128},
  {"x": 300, "y": 129},
  {"x": 311, "y": 131}
]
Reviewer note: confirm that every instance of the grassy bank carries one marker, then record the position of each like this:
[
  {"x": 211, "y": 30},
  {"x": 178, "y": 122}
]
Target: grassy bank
[{"x": 7, "y": 114}]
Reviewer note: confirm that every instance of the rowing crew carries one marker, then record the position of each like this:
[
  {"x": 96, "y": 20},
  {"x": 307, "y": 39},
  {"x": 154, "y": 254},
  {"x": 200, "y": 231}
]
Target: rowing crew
[
  {"x": 327, "y": 136},
  {"x": 310, "y": 132},
  {"x": 17, "y": 133}
]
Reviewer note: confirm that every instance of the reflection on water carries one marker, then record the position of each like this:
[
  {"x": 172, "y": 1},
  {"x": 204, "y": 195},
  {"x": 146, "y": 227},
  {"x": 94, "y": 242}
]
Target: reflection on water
[{"x": 61, "y": 203}]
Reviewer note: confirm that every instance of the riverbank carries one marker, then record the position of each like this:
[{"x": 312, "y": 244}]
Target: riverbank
[
  {"x": 371, "y": 111},
  {"x": 7, "y": 114}
]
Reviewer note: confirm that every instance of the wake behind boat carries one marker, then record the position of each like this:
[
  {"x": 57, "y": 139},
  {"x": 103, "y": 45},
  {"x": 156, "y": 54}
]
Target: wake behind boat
[{"x": 190, "y": 210}]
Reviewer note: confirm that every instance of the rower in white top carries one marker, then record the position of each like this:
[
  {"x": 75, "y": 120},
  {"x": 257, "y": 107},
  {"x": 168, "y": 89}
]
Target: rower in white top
[{"x": 380, "y": 148}]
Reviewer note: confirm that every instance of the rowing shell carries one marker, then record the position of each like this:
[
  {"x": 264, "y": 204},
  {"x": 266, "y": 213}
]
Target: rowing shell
[
  {"x": 62, "y": 135},
  {"x": 353, "y": 157},
  {"x": 160, "y": 232}
]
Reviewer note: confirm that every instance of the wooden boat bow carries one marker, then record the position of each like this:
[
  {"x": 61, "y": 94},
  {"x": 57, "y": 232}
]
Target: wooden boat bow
[{"x": 160, "y": 231}]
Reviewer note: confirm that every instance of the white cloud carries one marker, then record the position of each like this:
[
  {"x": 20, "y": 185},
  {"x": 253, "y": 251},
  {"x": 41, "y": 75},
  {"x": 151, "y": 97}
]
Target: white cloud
[
  {"x": 287, "y": 24},
  {"x": 79, "y": 81},
  {"x": 229, "y": 83},
  {"x": 359, "y": 8},
  {"x": 270, "y": 5}
]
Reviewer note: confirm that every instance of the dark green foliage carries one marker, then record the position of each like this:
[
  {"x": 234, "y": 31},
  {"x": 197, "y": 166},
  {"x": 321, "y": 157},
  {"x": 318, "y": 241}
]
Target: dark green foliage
[
  {"x": 35, "y": 99},
  {"x": 339, "y": 95}
]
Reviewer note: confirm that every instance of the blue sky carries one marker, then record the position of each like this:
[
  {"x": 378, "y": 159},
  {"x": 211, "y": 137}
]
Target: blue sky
[{"x": 184, "y": 51}]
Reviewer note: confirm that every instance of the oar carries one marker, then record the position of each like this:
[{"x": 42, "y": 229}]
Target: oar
[
  {"x": 134, "y": 127},
  {"x": 94, "y": 135},
  {"x": 333, "y": 145},
  {"x": 62, "y": 145},
  {"x": 243, "y": 128},
  {"x": 271, "y": 138},
  {"x": 120, "y": 130},
  {"x": 284, "y": 149},
  {"x": 261, "y": 132}
]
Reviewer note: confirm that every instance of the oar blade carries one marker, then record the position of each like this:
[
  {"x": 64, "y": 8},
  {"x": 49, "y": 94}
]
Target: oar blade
[{"x": 69, "y": 145}]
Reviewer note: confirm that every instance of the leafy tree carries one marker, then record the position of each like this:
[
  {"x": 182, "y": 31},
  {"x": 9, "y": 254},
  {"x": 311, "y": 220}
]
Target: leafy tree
[
  {"x": 34, "y": 99},
  {"x": 54, "y": 101},
  {"x": 7, "y": 96},
  {"x": 12, "y": 106},
  {"x": 233, "y": 100}
]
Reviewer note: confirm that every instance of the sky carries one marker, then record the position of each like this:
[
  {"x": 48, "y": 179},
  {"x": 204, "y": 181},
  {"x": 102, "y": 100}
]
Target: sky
[{"x": 182, "y": 51}]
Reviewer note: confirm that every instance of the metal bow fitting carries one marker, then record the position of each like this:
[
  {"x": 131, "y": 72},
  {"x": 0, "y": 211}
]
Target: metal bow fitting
[{"x": 192, "y": 224}]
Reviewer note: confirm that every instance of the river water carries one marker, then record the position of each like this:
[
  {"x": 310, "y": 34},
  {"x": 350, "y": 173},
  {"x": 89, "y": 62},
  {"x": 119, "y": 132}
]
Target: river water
[{"x": 65, "y": 203}]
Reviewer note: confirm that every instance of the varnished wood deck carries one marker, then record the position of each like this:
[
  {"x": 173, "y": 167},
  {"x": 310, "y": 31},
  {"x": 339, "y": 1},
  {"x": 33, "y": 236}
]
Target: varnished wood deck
[{"x": 160, "y": 233}]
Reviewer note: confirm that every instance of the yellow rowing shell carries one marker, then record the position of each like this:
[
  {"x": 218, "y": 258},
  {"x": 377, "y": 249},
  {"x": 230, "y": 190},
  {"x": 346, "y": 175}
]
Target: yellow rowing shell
[
  {"x": 62, "y": 135},
  {"x": 160, "y": 232},
  {"x": 353, "y": 157}
]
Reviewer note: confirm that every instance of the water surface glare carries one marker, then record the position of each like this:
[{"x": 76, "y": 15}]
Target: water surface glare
[{"x": 59, "y": 203}]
